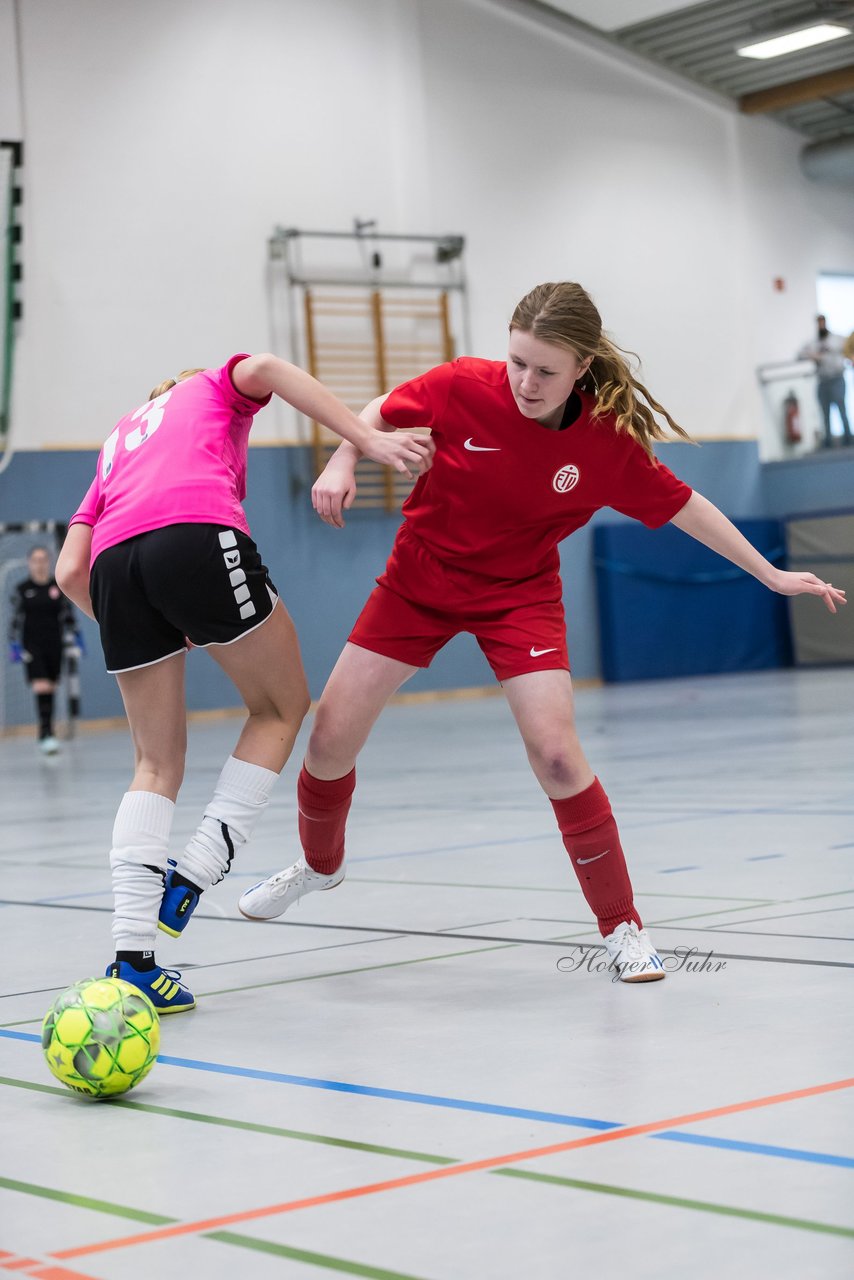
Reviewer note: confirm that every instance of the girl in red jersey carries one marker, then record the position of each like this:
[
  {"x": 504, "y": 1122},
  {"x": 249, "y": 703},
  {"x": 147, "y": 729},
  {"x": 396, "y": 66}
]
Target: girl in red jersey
[
  {"x": 160, "y": 551},
  {"x": 526, "y": 452}
]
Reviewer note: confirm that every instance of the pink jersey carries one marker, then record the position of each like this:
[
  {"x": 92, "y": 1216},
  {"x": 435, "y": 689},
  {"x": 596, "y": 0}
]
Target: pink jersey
[{"x": 179, "y": 459}]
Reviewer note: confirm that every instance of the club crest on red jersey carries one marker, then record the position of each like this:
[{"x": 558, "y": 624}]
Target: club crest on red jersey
[{"x": 565, "y": 479}]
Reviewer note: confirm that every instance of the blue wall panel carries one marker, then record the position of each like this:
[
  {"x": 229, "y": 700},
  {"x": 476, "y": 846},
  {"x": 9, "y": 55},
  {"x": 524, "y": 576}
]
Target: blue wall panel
[
  {"x": 671, "y": 607},
  {"x": 325, "y": 574},
  {"x": 819, "y": 482}
]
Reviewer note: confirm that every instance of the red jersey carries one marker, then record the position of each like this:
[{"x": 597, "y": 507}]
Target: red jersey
[{"x": 504, "y": 490}]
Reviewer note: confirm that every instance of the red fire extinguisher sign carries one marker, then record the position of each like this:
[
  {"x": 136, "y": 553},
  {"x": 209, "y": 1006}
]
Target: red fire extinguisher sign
[{"x": 792, "y": 419}]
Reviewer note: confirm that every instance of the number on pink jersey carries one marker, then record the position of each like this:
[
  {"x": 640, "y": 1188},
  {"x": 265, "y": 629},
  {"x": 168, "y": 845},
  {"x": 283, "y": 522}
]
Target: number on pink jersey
[
  {"x": 108, "y": 453},
  {"x": 151, "y": 415}
]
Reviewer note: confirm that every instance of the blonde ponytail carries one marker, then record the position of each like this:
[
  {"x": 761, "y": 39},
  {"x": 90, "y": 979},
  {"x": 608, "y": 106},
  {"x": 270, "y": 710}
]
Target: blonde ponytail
[
  {"x": 169, "y": 383},
  {"x": 618, "y": 393},
  {"x": 565, "y": 315}
]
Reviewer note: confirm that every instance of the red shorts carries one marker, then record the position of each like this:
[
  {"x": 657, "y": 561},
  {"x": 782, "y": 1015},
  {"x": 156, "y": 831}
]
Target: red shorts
[{"x": 420, "y": 603}]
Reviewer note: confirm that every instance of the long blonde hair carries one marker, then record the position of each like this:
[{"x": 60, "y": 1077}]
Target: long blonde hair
[
  {"x": 169, "y": 383},
  {"x": 565, "y": 315}
]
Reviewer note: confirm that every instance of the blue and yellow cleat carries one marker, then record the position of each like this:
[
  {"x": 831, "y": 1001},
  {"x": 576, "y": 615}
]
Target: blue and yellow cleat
[
  {"x": 179, "y": 903},
  {"x": 161, "y": 986}
]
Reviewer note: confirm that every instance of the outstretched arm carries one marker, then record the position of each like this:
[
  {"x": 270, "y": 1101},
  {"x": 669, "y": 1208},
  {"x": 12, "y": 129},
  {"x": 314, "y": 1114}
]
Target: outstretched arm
[
  {"x": 334, "y": 489},
  {"x": 703, "y": 521},
  {"x": 257, "y": 376}
]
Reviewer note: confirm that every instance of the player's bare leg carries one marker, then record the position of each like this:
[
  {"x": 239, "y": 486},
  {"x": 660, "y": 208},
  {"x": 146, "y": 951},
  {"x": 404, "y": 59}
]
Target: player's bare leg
[
  {"x": 543, "y": 707},
  {"x": 266, "y": 667},
  {"x": 154, "y": 702},
  {"x": 357, "y": 690}
]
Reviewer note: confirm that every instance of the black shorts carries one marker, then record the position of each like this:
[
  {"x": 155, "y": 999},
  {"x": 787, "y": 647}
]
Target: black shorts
[
  {"x": 45, "y": 663},
  {"x": 204, "y": 582}
]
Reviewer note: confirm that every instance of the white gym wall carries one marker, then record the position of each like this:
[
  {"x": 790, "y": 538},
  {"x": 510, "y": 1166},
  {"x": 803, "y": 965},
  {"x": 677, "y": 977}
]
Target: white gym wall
[{"x": 164, "y": 141}]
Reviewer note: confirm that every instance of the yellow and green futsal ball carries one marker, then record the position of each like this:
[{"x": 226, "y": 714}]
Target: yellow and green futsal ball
[{"x": 101, "y": 1037}]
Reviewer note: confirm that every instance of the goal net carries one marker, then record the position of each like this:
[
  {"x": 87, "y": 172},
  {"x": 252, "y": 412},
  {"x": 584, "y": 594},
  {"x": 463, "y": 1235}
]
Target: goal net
[{"x": 16, "y": 699}]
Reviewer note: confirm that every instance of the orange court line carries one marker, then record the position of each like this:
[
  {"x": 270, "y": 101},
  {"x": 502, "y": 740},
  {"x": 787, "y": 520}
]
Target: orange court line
[
  {"x": 447, "y": 1171},
  {"x": 46, "y": 1271},
  {"x": 57, "y": 1273}
]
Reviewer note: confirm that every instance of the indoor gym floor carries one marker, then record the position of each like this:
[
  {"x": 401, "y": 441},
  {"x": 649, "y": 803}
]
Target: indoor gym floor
[{"x": 399, "y": 1079}]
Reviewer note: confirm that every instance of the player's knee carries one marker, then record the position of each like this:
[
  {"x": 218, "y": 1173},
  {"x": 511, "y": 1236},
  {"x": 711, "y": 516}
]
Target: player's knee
[
  {"x": 304, "y": 704},
  {"x": 286, "y": 714},
  {"x": 286, "y": 700},
  {"x": 556, "y": 765},
  {"x": 327, "y": 740}
]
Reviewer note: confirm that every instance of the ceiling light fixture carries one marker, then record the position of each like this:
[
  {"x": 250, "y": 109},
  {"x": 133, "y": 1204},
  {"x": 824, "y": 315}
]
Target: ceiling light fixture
[{"x": 790, "y": 41}]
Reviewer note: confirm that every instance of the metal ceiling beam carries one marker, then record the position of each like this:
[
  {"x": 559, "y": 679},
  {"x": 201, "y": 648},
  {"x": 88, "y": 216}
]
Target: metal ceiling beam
[
  {"x": 735, "y": 20},
  {"x": 786, "y": 95}
]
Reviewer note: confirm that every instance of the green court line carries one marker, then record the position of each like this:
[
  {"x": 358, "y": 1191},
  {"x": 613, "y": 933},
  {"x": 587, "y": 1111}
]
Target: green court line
[
  {"x": 678, "y": 1202},
  {"x": 543, "y": 888},
  {"x": 225, "y": 1237},
  {"x": 810, "y": 897},
  {"x": 303, "y": 1255},
  {"x": 771, "y": 902},
  {"x": 249, "y": 1126},
  {"x": 377, "y": 1273},
  {"x": 85, "y": 1202},
  {"x": 314, "y": 977},
  {"x": 367, "y": 968},
  {"x": 698, "y": 915}
]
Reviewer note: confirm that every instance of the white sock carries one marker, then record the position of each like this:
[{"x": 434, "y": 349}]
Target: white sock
[
  {"x": 241, "y": 796},
  {"x": 138, "y": 863}
]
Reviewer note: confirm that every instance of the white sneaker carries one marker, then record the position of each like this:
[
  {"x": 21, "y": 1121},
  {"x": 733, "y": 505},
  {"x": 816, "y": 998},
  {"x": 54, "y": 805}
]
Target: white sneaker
[
  {"x": 272, "y": 897},
  {"x": 632, "y": 954},
  {"x": 49, "y": 746}
]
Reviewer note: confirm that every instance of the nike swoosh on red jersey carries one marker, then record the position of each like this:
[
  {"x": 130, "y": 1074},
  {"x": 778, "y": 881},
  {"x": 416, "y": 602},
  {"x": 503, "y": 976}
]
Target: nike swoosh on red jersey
[
  {"x": 480, "y": 448},
  {"x": 538, "y": 653}
]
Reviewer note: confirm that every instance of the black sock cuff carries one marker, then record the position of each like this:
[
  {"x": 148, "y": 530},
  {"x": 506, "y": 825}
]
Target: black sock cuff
[
  {"x": 184, "y": 883},
  {"x": 142, "y": 961}
]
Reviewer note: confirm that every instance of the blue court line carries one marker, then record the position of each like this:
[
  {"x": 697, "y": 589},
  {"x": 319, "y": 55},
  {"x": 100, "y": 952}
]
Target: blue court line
[
  {"x": 627, "y": 824},
  {"x": 455, "y": 848},
  {"x": 758, "y": 1148},
  {"x": 764, "y": 857},
  {"x": 843, "y": 846},
  {"x": 669, "y": 871},
  {"x": 462, "y": 1104},
  {"x": 339, "y": 1086},
  {"x": 395, "y": 1095}
]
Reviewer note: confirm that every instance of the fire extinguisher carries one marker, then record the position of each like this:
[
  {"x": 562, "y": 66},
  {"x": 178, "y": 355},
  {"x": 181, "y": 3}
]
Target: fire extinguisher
[{"x": 792, "y": 419}]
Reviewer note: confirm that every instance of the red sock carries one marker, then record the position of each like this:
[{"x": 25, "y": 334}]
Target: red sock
[
  {"x": 323, "y": 809},
  {"x": 592, "y": 841}
]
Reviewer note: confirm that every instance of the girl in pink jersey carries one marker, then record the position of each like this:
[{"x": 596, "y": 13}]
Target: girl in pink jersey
[
  {"x": 526, "y": 452},
  {"x": 160, "y": 553}
]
